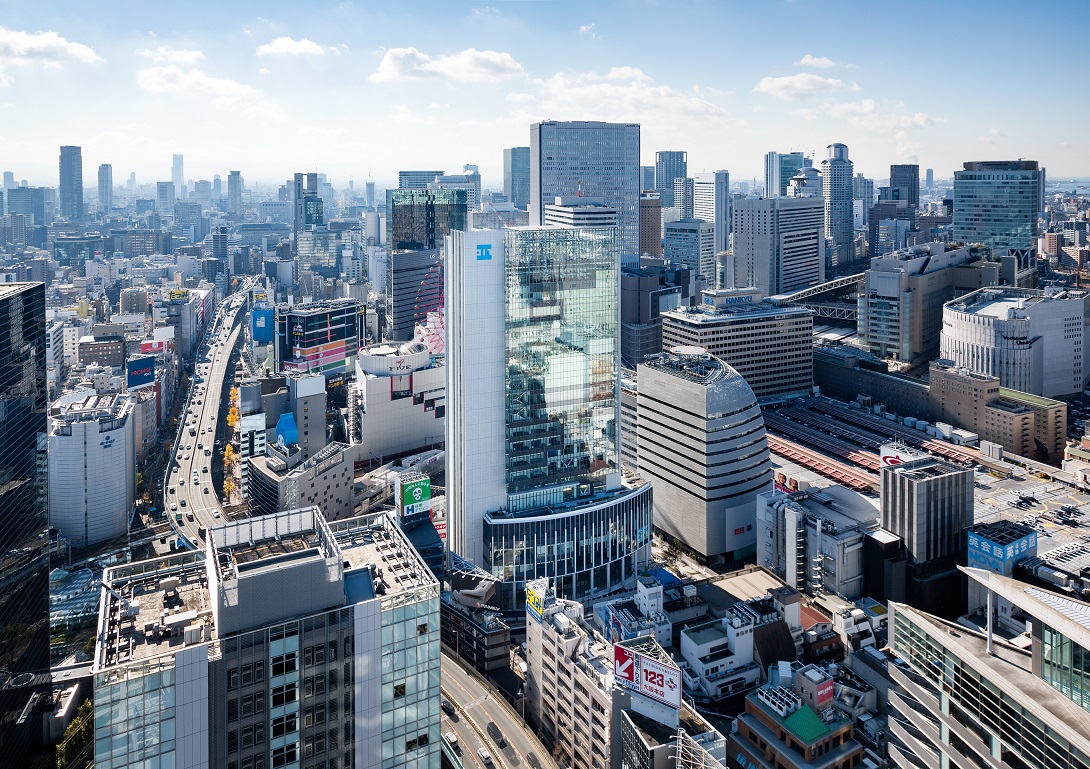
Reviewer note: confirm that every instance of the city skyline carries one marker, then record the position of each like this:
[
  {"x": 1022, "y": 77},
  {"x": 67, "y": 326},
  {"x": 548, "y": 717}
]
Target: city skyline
[{"x": 261, "y": 85}]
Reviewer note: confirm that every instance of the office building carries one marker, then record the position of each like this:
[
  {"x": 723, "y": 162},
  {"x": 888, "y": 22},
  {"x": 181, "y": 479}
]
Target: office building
[
  {"x": 281, "y": 479},
  {"x": 408, "y": 300},
  {"x": 1023, "y": 424},
  {"x": 533, "y": 469},
  {"x": 906, "y": 177},
  {"x": 1031, "y": 339},
  {"x": 516, "y": 176},
  {"x": 177, "y": 176},
  {"x": 779, "y": 244},
  {"x": 647, "y": 178},
  {"x": 996, "y": 203},
  {"x": 275, "y": 649},
  {"x": 30, "y": 202},
  {"x": 928, "y": 504},
  {"x": 320, "y": 337},
  {"x": 646, "y": 292},
  {"x": 771, "y": 347},
  {"x": 669, "y": 166},
  {"x": 469, "y": 180},
  {"x": 836, "y": 178},
  {"x": 929, "y": 176},
  {"x": 779, "y": 168},
  {"x": 814, "y": 539},
  {"x": 690, "y": 243},
  {"x": 900, "y": 310},
  {"x": 71, "y": 184},
  {"x": 105, "y": 188},
  {"x": 976, "y": 695},
  {"x": 92, "y": 467},
  {"x": 234, "y": 192},
  {"x": 807, "y": 182},
  {"x": 711, "y": 202},
  {"x": 701, "y": 443},
  {"x": 308, "y": 208},
  {"x": 165, "y": 197},
  {"x": 889, "y": 221},
  {"x": 863, "y": 195},
  {"x": 683, "y": 197},
  {"x": 650, "y": 224},
  {"x": 402, "y": 399},
  {"x": 416, "y": 180},
  {"x": 419, "y": 219},
  {"x": 24, "y": 572},
  {"x": 589, "y": 158}
]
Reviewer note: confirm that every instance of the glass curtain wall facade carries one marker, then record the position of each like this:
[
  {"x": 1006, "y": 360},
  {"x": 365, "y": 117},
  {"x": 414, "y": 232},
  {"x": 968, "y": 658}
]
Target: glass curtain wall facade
[
  {"x": 24, "y": 571},
  {"x": 420, "y": 219},
  {"x": 996, "y": 203},
  {"x": 1065, "y": 665}
]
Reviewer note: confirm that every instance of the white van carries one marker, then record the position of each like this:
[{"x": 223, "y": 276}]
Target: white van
[{"x": 452, "y": 740}]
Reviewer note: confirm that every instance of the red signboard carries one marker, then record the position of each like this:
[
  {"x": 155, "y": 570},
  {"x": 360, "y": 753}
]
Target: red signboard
[
  {"x": 624, "y": 665},
  {"x": 825, "y": 693}
]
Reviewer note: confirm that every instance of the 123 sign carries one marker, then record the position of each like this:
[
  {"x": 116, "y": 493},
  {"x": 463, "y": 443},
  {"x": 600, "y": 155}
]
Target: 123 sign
[{"x": 660, "y": 682}]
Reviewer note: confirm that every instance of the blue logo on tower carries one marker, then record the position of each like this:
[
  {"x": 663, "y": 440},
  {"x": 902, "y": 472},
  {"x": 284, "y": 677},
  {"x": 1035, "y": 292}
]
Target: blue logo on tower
[{"x": 484, "y": 252}]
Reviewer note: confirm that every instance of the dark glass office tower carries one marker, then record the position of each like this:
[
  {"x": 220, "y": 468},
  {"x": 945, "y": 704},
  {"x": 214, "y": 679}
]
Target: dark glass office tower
[
  {"x": 71, "y": 183},
  {"x": 420, "y": 219},
  {"x": 24, "y": 564}
]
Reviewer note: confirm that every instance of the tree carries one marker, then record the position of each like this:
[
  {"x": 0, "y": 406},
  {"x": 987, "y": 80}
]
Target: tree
[
  {"x": 78, "y": 737},
  {"x": 232, "y": 417},
  {"x": 234, "y": 395},
  {"x": 228, "y": 488},
  {"x": 229, "y": 455}
]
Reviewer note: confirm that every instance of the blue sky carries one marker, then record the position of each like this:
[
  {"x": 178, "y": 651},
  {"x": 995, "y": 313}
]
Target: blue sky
[{"x": 356, "y": 88}]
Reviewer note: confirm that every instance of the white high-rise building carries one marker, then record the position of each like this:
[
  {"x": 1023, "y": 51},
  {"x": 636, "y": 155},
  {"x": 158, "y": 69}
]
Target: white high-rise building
[
  {"x": 105, "y": 188},
  {"x": 177, "y": 175},
  {"x": 711, "y": 202},
  {"x": 779, "y": 168},
  {"x": 779, "y": 244},
  {"x": 590, "y": 158},
  {"x": 691, "y": 243},
  {"x": 92, "y": 467},
  {"x": 165, "y": 197},
  {"x": 1029, "y": 338},
  {"x": 533, "y": 465},
  {"x": 469, "y": 180},
  {"x": 836, "y": 177}
]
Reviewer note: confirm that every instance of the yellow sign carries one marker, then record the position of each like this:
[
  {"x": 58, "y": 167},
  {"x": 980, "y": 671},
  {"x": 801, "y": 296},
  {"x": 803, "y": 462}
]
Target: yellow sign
[
  {"x": 179, "y": 295},
  {"x": 535, "y": 602},
  {"x": 261, "y": 297}
]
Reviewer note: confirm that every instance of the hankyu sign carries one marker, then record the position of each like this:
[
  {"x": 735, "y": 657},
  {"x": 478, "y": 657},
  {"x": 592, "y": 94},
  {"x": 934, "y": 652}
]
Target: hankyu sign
[{"x": 649, "y": 677}]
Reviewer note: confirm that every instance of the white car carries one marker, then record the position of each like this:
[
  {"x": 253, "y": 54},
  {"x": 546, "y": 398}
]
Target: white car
[{"x": 485, "y": 756}]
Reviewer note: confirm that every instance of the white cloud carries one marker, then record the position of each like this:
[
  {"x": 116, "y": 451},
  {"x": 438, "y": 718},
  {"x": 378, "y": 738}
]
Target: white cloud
[
  {"x": 164, "y": 54},
  {"x": 622, "y": 94},
  {"x": 224, "y": 92},
  {"x": 47, "y": 49},
  {"x": 287, "y": 46},
  {"x": 468, "y": 66},
  {"x": 867, "y": 114},
  {"x": 801, "y": 86},
  {"x": 589, "y": 31},
  {"x": 821, "y": 62}
]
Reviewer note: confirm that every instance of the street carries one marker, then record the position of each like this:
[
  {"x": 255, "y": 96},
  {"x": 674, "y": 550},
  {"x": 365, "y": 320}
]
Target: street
[{"x": 482, "y": 716}]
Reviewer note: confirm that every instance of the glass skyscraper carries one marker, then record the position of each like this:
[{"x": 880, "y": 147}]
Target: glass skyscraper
[
  {"x": 779, "y": 168},
  {"x": 593, "y": 159},
  {"x": 669, "y": 165},
  {"x": 996, "y": 203},
  {"x": 516, "y": 176},
  {"x": 534, "y": 477},
  {"x": 420, "y": 219},
  {"x": 24, "y": 570},
  {"x": 71, "y": 184}
]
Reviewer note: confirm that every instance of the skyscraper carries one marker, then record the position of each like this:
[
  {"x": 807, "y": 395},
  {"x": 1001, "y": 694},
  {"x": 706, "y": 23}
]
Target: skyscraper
[
  {"x": 165, "y": 197},
  {"x": 996, "y": 203},
  {"x": 691, "y": 243},
  {"x": 650, "y": 223},
  {"x": 24, "y": 571},
  {"x": 177, "y": 175},
  {"x": 836, "y": 176},
  {"x": 779, "y": 168},
  {"x": 647, "y": 178},
  {"x": 669, "y": 165},
  {"x": 711, "y": 202},
  {"x": 71, "y": 184},
  {"x": 779, "y": 244},
  {"x": 533, "y": 477},
  {"x": 590, "y": 158},
  {"x": 516, "y": 176},
  {"x": 907, "y": 178},
  {"x": 683, "y": 196},
  {"x": 105, "y": 188},
  {"x": 930, "y": 177},
  {"x": 416, "y": 180},
  {"x": 234, "y": 192}
]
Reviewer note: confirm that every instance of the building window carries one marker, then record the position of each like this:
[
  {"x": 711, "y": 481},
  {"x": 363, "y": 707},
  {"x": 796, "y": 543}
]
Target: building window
[
  {"x": 281, "y": 695},
  {"x": 285, "y": 663},
  {"x": 288, "y": 754}
]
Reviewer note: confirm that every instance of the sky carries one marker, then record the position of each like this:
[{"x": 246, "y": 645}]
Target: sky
[{"x": 364, "y": 89}]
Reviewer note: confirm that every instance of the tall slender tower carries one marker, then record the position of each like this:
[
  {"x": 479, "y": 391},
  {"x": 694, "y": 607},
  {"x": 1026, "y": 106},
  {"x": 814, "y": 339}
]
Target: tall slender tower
[
  {"x": 234, "y": 192},
  {"x": 836, "y": 176},
  {"x": 669, "y": 165},
  {"x": 177, "y": 175},
  {"x": 534, "y": 483},
  {"x": 105, "y": 188},
  {"x": 71, "y": 183}
]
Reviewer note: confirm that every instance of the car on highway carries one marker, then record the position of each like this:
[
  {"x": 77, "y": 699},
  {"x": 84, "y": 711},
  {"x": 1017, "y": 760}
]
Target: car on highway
[
  {"x": 485, "y": 756},
  {"x": 173, "y": 507},
  {"x": 496, "y": 735},
  {"x": 215, "y": 513},
  {"x": 205, "y": 489},
  {"x": 447, "y": 707},
  {"x": 182, "y": 503},
  {"x": 452, "y": 740}
]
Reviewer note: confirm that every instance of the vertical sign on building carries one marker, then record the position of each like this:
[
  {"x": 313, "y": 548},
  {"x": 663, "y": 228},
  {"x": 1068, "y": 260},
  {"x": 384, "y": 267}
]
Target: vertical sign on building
[{"x": 413, "y": 492}]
